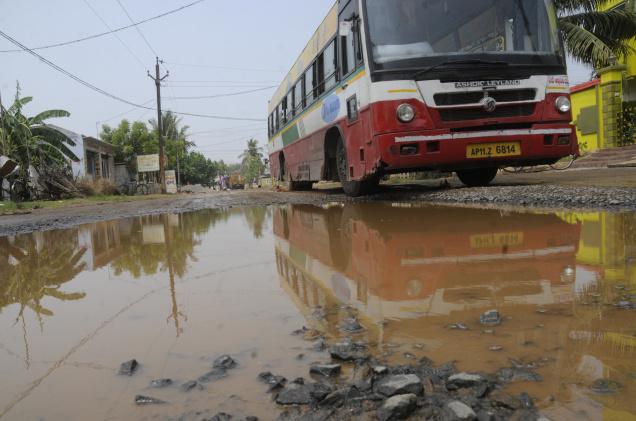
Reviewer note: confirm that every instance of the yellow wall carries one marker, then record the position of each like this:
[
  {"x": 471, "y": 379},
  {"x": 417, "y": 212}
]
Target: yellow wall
[{"x": 580, "y": 100}]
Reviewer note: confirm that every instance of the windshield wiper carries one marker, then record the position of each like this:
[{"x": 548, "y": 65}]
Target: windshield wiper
[{"x": 421, "y": 73}]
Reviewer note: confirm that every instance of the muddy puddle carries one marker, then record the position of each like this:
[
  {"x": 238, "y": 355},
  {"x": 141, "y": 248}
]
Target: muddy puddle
[{"x": 175, "y": 292}]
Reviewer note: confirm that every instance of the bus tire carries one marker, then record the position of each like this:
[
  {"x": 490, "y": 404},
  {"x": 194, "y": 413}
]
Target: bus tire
[
  {"x": 352, "y": 188},
  {"x": 478, "y": 177}
]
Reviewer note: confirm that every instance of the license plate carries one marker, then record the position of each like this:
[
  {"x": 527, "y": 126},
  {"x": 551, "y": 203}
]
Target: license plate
[
  {"x": 493, "y": 150},
  {"x": 488, "y": 241}
]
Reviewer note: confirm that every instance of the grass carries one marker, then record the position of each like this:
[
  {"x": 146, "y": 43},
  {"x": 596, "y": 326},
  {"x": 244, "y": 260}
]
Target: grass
[{"x": 9, "y": 208}]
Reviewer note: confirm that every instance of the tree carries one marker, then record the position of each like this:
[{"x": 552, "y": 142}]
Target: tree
[
  {"x": 175, "y": 135},
  {"x": 30, "y": 141},
  {"x": 130, "y": 140},
  {"x": 252, "y": 161},
  {"x": 594, "y": 34}
]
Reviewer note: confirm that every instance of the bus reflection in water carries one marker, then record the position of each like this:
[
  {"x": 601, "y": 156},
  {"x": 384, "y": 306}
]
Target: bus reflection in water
[{"x": 410, "y": 273}]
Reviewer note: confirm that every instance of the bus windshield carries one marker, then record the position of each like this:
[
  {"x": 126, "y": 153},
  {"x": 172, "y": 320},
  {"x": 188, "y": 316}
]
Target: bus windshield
[{"x": 401, "y": 31}]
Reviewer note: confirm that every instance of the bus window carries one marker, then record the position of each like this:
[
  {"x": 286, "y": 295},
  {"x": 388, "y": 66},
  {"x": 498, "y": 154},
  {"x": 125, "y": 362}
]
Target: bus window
[
  {"x": 277, "y": 119},
  {"x": 329, "y": 58},
  {"x": 289, "y": 103},
  {"x": 309, "y": 85},
  {"x": 269, "y": 126},
  {"x": 348, "y": 53},
  {"x": 319, "y": 75},
  {"x": 298, "y": 97}
]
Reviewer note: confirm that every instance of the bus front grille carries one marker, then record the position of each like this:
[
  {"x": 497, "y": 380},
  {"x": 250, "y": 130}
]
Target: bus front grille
[
  {"x": 461, "y": 114},
  {"x": 468, "y": 98}
]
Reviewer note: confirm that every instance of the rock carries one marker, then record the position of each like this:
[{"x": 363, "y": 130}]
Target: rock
[
  {"x": 500, "y": 399},
  {"x": 400, "y": 384},
  {"x": 605, "y": 387},
  {"x": 221, "y": 416},
  {"x": 214, "y": 375},
  {"x": 351, "y": 325},
  {"x": 294, "y": 394},
  {"x": 495, "y": 348},
  {"x": 458, "y": 326},
  {"x": 466, "y": 380},
  {"x": 460, "y": 411},
  {"x": 319, "y": 346},
  {"x": 327, "y": 370},
  {"x": 380, "y": 370},
  {"x": 188, "y": 386},
  {"x": 484, "y": 415},
  {"x": 224, "y": 361},
  {"x": 348, "y": 351},
  {"x": 398, "y": 407},
  {"x": 274, "y": 382},
  {"x": 147, "y": 400},
  {"x": 297, "y": 393},
  {"x": 159, "y": 383},
  {"x": 299, "y": 332},
  {"x": 340, "y": 397},
  {"x": 128, "y": 368},
  {"x": 515, "y": 374},
  {"x": 490, "y": 318}
]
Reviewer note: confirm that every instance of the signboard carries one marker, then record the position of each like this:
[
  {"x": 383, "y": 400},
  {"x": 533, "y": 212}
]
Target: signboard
[
  {"x": 148, "y": 163},
  {"x": 171, "y": 182}
]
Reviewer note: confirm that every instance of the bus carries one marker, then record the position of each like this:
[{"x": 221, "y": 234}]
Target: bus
[{"x": 400, "y": 86}]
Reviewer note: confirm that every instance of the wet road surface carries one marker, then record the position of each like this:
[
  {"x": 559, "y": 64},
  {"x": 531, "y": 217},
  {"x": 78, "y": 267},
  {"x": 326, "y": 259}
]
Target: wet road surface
[{"x": 177, "y": 291}]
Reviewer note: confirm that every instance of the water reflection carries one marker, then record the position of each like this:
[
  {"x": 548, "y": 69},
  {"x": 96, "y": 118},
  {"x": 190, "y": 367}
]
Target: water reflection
[{"x": 410, "y": 273}]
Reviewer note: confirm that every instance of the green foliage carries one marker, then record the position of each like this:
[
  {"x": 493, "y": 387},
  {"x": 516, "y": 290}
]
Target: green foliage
[
  {"x": 138, "y": 138},
  {"x": 29, "y": 141},
  {"x": 252, "y": 164},
  {"x": 594, "y": 34}
]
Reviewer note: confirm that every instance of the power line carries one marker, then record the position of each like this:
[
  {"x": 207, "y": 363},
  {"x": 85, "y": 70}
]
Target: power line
[
  {"x": 169, "y": 85},
  {"x": 206, "y": 66},
  {"x": 115, "y": 34},
  {"x": 222, "y": 81},
  {"x": 137, "y": 28},
  {"x": 224, "y": 95},
  {"x": 108, "y": 94},
  {"x": 123, "y": 28}
]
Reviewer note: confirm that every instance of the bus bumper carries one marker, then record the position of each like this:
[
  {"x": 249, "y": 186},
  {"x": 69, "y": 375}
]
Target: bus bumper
[{"x": 445, "y": 150}]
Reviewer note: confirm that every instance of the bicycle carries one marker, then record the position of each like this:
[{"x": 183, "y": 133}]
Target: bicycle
[{"x": 133, "y": 188}]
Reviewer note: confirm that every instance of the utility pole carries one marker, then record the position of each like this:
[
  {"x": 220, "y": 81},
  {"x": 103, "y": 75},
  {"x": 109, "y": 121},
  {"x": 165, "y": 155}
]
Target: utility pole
[{"x": 158, "y": 79}]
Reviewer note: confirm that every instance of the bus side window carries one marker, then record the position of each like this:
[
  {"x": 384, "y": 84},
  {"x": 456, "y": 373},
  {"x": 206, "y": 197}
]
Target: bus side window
[
  {"x": 329, "y": 59},
  {"x": 298, "y": 96},
  {"x": 269, "y": 125},
  {"x": 309, "y": 85},
  {"x": 347, "y": 53},
  {"x": 277, "y": 119},
  {"x": 319, "y": 75},
  {"x": 290, "y": 105}
]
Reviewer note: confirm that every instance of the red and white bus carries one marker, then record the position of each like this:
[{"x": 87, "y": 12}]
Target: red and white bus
[{"x": 392, "y": 86}]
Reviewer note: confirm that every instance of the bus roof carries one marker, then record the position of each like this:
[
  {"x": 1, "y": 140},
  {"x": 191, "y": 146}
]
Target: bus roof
[{"x": 325, "y": 32}]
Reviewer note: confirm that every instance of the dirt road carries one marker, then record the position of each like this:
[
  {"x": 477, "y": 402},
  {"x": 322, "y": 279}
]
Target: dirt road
[{"x": 605, "y": 189}]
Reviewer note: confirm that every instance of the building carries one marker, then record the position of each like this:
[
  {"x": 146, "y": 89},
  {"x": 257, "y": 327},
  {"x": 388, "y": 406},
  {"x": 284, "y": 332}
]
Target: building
[
  {"x": 96, "y": 158},
  {"x": 603, "y": 108}
]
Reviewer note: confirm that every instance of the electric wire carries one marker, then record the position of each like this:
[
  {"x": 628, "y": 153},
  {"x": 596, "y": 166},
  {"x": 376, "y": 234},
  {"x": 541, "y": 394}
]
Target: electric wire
[
  {"x": 141, "y": 63},
  {"x": 137, "y": 28},
  {"x": 242, "y": 69},
  {"x": 108, "y": 94},
  {"x": 103, "y": 34},
  {"x": 221, "y": 95}
]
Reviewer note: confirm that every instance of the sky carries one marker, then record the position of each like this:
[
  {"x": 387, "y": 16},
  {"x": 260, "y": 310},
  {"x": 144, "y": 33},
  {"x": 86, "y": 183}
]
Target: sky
[{"x": 212, "y": 48}]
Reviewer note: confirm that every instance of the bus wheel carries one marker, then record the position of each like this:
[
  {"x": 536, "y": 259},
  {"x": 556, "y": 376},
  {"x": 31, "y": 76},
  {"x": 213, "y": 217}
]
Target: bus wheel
[
  {"x": 477, "y": 178},
  {"x": 352, "y": 188}
]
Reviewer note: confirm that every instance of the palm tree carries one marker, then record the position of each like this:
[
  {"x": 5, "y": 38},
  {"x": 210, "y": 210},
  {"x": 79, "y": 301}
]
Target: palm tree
[
  {"x": 595, "y": 34},
  {"x": 252, "y": 161},
  {"x": 176, "y": 136}
]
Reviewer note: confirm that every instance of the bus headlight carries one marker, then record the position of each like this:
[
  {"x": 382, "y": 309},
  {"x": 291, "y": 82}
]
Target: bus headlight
[
  {"x": 405, "y": 113},
  {"x": 563, "y": 104}
]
